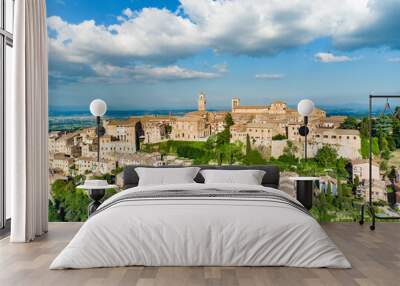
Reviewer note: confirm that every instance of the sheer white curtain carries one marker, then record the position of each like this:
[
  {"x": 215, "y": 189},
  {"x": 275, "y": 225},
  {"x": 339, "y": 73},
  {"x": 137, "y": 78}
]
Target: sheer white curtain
[{"x": 26, "y": 117}]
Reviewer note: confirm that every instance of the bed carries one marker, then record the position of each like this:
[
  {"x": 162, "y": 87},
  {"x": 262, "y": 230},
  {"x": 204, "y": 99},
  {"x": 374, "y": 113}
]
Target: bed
[{"x": 198, "y": 224}]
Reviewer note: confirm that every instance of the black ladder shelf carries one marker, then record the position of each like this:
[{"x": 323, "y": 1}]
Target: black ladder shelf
[{"x": 368, "y": 205}]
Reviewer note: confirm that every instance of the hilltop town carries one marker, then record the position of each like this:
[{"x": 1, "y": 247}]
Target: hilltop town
[{"x": 269, "y": 128}]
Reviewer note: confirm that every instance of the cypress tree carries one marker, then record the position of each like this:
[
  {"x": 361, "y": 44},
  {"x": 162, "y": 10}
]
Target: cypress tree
[{"x": 248, "y": 145}]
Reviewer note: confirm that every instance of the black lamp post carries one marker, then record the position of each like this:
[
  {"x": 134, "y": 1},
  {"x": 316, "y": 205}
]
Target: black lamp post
[
  {"x": 305, "y": 107},
  {"x": 98, "y": 108}
]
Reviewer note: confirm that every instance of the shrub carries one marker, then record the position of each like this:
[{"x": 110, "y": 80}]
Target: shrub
[
  {"x": 279, "y": 137},
  {"x": 326, "y": 156}
]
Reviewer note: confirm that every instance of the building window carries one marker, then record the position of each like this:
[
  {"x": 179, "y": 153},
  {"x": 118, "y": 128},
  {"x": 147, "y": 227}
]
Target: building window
[{"x": 6, "y": 44}]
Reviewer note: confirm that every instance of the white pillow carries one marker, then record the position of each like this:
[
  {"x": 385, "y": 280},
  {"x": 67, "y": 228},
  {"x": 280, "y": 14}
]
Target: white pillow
[
  {"x": 248, "y": 177},
  {"x": 166, "y": 176}
]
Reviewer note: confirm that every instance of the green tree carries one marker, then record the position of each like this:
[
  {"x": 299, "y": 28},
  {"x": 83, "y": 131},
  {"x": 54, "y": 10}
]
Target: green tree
[
  {"x": 326, "y": 156},
  {"x": 392, "y": 174},
  {"x": 228, "y": 120},
  {"x": 329, "y": 194},
  {"x": 350, "y": 123},
  {"x": 248, "y": 145},
  {"x": 340, "y": 168},
  {"x": 396, "y": 132},
  {"x": 339, "y": 195},
  {"x": 397, "y": 112},
  {"x": 223, "y": 137},
  {"x": 365, "y": 147},
  {"x": 53, "y": 212},
  {"x": 190, "y": 152},
  {"x": 254, "y": 158},
  {"x": 279, "y": 137},
  {"x": 383, "y": 126},
  {"x": 375, "y": 146},
  {"x": 364, "y": 127},
  {"x": 321, "y": 208},
  {"x": 289, "y": 153},
  {"x": 211, "y": 142},
  {"x": 356, "y": 183}
]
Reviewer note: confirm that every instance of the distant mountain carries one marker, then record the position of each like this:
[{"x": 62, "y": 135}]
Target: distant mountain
[{"x": 61, "y": 118}]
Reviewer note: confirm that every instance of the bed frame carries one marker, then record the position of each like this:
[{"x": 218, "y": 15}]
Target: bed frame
[{"x": 270, "y": 179}]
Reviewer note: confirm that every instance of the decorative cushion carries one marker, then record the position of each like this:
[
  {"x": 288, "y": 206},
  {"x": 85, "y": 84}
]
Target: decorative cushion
[{"x": 166, "y": 176}]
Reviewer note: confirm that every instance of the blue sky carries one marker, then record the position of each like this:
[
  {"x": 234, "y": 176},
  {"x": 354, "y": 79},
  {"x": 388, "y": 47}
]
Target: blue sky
[{"x": 138, "y": 54}]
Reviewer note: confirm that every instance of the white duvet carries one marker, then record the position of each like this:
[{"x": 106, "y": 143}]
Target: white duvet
[{"x": 202, "y": 232}]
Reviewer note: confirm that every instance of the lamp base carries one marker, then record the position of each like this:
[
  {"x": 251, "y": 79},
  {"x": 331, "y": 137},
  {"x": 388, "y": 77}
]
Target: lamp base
[
  {"x": 95, "y": 195},
  {"x": 304, "y": 193}
]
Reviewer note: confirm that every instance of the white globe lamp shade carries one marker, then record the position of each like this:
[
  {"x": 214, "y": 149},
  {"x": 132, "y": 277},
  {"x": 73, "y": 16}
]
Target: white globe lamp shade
[
  {"x": 305, "y": 107},
  {"x": 98, "y": 107}
]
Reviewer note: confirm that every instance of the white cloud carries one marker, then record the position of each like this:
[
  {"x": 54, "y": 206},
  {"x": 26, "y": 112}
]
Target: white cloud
[
  {"x": 221, "y": 68},
  {"x": 156, "y": 36},
  {"x": 128, "y": 12},
  {"x": 253, "y": 27},
  {"x": 394, "y": 60},
  {"x": 111, "y": 73},
  {"x": 273, "y": 76},
  {"x": 153, "y": 35},
  {"x": 331, "y": 58}
]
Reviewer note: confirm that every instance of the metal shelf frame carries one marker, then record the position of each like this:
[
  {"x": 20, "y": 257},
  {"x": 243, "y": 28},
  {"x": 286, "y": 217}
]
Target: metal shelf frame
[{"x": 369, "y": 205}]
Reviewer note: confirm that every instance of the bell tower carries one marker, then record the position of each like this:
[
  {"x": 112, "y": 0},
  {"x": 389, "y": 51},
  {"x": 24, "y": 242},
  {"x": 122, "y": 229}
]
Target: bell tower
[
  {"x": 202, "y": 102},
  {"x": 235, "y": 103}
]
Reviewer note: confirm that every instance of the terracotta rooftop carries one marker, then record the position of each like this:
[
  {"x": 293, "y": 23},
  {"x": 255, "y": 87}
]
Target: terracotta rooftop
[
  {"x": 337, "y": 131},
  {"x": 252, "y": 107}
]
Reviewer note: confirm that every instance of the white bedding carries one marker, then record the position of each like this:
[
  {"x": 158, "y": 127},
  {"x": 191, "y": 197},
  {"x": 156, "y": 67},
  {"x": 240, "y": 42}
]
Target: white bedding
[{"x": 200, "y": 231}]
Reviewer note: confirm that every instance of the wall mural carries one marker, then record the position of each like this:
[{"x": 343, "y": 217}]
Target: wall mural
[{"x": 218, "y": 82}]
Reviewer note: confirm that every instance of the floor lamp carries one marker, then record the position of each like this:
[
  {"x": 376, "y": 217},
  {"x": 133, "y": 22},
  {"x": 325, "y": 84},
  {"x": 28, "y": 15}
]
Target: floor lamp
[
  {"x": 98, "y": 108},
  {"x": 96, "y": 188},
  {"x": 305, "y": 107}
]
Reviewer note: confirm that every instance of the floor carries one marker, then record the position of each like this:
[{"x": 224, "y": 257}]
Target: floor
[{"x": 375, "y": 257}]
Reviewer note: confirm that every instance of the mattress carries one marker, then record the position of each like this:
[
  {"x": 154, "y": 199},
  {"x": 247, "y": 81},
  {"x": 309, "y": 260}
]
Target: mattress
[{"x": 201, "y": 225}]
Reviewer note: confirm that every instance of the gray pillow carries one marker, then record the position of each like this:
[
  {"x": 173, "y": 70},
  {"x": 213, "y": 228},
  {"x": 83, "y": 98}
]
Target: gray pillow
[
  {"x": 166, "y": 176},
  {"x": 248, "y": 177}
]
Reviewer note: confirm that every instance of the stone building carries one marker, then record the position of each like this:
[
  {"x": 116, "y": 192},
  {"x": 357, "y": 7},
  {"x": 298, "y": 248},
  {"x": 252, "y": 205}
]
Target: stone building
[
  {"x": 123, "y": 130},
  {"x": 378, "y": 190},
  {"x": 238, "y": 133},
  {"x": 216, "y": 121},
  {"x": 89, "y": 150},
  {"x": 156, "y": 128},
  {"x": 61, "y": 163},
  {"x": 65, "y": 143},
  {"x": 330, "y": 122},
  {"x": 190, "y": 128},
  {"x": 361, "y": 170},
  {"x": 253, "y": 109},
  {"x": 347, "y": 142},
  {"x": 89, "y": 165},
  {"x": 259, "y": 134},
  {"x": 202, "y": 102}
]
